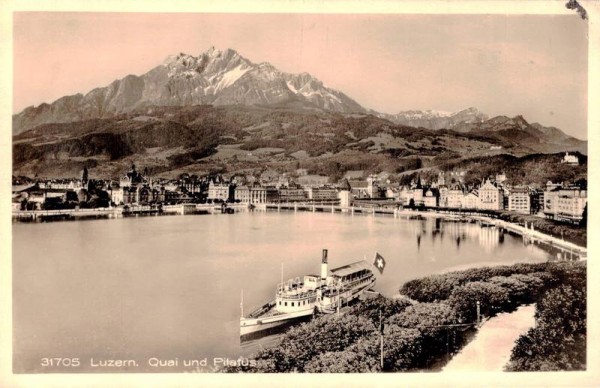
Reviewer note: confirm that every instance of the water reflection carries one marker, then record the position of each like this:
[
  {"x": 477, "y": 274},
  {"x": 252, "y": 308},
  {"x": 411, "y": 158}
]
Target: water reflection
[{"x": 489, "y": 237}]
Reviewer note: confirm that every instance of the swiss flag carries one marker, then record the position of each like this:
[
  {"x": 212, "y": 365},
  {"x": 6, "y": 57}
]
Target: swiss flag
[{"x": 379, "y": 262}]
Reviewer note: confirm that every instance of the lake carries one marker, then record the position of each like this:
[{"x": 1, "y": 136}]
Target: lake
[{"x": 168, "y": 288}]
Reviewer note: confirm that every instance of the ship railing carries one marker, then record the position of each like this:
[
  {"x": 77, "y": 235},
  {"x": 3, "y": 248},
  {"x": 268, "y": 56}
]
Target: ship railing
[{"x": 302, "y": 295}]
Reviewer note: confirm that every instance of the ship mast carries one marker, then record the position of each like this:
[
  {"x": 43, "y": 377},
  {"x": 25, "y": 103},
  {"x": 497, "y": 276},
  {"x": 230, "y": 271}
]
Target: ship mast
[{"x": 242, "y": 304}]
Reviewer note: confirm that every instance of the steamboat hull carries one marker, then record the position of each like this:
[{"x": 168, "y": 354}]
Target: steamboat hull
[{"x": 251, "y": 328}]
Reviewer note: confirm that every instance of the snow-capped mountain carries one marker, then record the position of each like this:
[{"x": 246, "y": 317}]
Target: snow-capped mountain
[
  {"x": 436, "y": 119},
  {"x": 213, "y": 77}
]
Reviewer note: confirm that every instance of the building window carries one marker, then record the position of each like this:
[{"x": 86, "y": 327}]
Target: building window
[
  {"x": 292, "y": 304},
  {"x": 286, "y": 303}
]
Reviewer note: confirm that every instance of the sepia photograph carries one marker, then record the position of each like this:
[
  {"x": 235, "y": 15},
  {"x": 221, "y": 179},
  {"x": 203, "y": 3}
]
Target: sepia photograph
[{"x": 298, "y": 192}]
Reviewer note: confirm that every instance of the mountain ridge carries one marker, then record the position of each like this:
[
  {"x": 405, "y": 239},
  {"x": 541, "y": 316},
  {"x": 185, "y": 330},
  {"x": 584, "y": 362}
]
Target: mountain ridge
[{"x": 214, "y": 77}]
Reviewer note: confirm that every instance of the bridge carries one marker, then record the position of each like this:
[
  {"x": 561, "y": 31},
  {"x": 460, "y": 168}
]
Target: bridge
[{"x": 327, "y": 208}]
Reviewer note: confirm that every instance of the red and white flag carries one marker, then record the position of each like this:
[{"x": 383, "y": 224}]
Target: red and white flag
[{"x": 379, "y": 262}]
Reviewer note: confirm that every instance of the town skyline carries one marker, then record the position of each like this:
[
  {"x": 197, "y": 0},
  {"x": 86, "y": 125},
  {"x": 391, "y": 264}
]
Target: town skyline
[{"x": 479, "y": 60}]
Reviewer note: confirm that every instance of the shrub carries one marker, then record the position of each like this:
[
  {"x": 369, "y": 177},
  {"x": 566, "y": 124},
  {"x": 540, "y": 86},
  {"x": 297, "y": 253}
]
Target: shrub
[{"x": 493, "y": 299}]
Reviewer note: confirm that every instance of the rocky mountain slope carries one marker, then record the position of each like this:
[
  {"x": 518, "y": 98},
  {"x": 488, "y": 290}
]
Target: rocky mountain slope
[{"x": 214, "y": 77}]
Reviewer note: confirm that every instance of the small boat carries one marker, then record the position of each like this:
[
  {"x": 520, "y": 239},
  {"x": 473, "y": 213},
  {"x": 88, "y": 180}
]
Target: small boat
[{"x": 301, "y": 298}]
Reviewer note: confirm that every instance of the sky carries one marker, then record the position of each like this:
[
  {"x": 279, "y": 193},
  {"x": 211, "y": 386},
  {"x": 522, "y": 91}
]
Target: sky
[{"x": 530, "y": 65}]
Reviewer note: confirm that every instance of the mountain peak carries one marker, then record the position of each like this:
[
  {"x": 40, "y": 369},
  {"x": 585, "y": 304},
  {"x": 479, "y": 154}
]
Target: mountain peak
[{"x": 218, "y": 77}]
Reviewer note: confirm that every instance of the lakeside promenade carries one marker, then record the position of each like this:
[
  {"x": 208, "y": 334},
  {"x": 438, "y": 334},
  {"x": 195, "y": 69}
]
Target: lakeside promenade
[
  {"x": 490, "y": 349},
  {"x": 188, "y": 209}
]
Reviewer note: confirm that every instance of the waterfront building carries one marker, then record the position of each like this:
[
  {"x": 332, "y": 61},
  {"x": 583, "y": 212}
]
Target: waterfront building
[
  {"x": 392, "y": 192},
  {"x": 417, "y": 195},
  {"x": 491, "y": 197},
  {"x": 359, "y": 188},
  {"x": 346, "y": 198},
  {"x": 291, "y": 193},
  {"x": 471, "y": 200},
  {"x": 242, "y": 194},
  {"x": 251, "y": 195},
  {"x": 130, "y": 195},
  {"x": 191, "y": 186},
  {"x": 455, "y": 197},
  {"x": 272, "y": 194},
  {"x": 324, "y": 193},
  {"x": 405, "y": 195},
  {"x": 219, "y": 191},
  {"x": 565, "y": 204},
  {"x": 116, "y": 193},
  {"x": 519, "y": 200},
  {"x": 571, "y": 206}
]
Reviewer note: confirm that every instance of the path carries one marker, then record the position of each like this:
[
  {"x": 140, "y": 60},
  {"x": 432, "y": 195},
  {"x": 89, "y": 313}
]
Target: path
[{"x": 490, "y": 350}]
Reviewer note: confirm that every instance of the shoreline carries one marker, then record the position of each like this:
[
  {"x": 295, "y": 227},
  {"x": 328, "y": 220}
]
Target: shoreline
[{"x": 201, "y": 209}]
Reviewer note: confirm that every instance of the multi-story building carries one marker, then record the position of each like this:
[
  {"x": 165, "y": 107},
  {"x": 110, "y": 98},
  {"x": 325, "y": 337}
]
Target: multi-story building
[
  {"x": 565, "y": 203},
  {"x": 491, "y": 197},
  {"x": 417, "y": 196},
  {"x": 471, "y": 200},
  {"x": 323, "y": 193},
  {"x": 292, "y": 192},
  {"x": 359, "y": 188},
  {"x": 455, "y": 197},
  {"x": 519, "y": 200},
  {"x": 253, "y": 194},
  {"x": 116, "y": 194},
  {"x": 219, "y": 191}
]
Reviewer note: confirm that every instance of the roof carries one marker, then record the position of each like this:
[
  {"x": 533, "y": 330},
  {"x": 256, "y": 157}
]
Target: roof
[
  {"x": 26, "y": 187},
  {"x": 356, "y": 184},
  {"x": 351, "y": 268}
]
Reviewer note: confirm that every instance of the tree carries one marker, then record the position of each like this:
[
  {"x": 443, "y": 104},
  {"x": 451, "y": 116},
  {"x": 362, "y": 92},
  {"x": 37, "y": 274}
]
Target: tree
[
  {"x": 493, "y": 299},
  {"x": 84, "y": 177}
]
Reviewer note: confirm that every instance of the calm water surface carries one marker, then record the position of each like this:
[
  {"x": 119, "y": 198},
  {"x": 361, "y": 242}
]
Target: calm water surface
[{"x": 169, "y": 287}]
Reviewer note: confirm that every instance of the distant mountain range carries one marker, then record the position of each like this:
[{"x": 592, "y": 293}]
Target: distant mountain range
[
  {"x": 435, "y": 119},
  {"x": 202, "y": 111}
]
